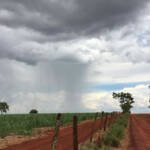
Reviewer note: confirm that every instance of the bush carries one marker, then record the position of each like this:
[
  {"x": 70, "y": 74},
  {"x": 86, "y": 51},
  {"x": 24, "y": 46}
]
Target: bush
[
  {"x": 111, "y": 140},
  {"x": 116, "y": 132},
  {"x": 33, "y": 111}
]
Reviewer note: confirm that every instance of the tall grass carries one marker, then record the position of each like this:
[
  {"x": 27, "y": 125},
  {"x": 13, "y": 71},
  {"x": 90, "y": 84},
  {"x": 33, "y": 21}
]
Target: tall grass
[
  {"x": 24, "y": 124},
  {"x": 116, "y": 132}
]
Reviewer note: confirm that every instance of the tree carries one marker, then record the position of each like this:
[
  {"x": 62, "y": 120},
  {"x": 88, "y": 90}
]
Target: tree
[
  {"x": 33, "y": 111},
  {"x": 4, "y": 107},
  {"x": 126, "y": 100}
]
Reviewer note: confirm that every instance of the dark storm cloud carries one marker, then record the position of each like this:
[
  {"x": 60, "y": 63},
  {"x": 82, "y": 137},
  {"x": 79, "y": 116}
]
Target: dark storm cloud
[
  {"x": 47, "y": 21},
  {"x": 65, "y": 18},
  {"x": 7, "y": 50}
]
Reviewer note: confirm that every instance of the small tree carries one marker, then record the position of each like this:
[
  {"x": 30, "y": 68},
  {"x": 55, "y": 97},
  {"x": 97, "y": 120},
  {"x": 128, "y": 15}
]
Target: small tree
[
  {"x": 125, "y": 99},
  {"x": 4, "y": 107},
  {"x": 33, "y": 111}
]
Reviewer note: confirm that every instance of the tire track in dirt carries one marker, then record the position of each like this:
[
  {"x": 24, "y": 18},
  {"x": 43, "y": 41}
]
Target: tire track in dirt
[{"x": 139, "y": 132}]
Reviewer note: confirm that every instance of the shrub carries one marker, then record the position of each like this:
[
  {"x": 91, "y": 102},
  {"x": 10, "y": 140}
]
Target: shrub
[
  {"x": 116, "y": 132},
  {"x": 33, "y": 111}
]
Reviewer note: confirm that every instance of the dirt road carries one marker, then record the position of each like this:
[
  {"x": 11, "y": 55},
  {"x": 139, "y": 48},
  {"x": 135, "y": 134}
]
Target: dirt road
[
  {"x": 139, "y": 132},
  {"x": 65, "y": 139}
]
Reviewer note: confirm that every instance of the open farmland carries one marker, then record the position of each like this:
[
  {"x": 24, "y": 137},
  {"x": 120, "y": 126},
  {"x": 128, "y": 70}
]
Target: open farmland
[
  {"x": 25, "y": 123},
  {"x": 65, "y": 137},
  {"x": 138, "y": 137},
  {"x": 139, "y": 132}
]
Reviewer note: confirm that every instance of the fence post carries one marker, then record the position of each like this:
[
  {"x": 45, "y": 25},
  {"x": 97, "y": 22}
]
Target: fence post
[
  {"x": 93, "y": 127},
  {"x": 113, "y": 116},
  {"x": 56, "y": 132},
  {"x": 105, "y": 122},
  {"x": 116, "y": 116},
  {"x": 75, "y": 133},
  {"x": 102, "y": 119},
  {"x": 110, "y": 119}
]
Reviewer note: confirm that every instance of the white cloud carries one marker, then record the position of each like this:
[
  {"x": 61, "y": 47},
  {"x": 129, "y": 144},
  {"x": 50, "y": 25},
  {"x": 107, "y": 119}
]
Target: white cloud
[
  {"x": 103, "y": 101},
  {"x": 141, "y": 95},
  {"x": 23, "y": 102},
  {"x": 100, "y": 101},
  {"x": 119, "y": 72}
]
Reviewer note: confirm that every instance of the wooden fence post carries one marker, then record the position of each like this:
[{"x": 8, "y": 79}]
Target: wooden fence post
[
  {"x": 105, "y": 122},
  {"x": 116, "y": 116},
  {"x": 110, "y": 120},
  {"x": 56, "y": 132},
  {"x": 93, "y": 127},
  {"x": 75, "y": 133},
  {"x": 113, "y": 117},
  {"x": 102, "y": 120}
]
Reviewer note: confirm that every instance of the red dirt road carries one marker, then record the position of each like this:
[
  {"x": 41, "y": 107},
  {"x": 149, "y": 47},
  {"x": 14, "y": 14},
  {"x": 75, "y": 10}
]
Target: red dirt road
[
  {"x": 139, "y": 132},
  {"x": 139, "y": 135},
  {"x": 65, "y": 139}
]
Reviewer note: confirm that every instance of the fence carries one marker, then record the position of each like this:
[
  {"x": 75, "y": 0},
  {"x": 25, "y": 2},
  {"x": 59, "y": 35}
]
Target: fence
[{"x": 70, "y": 137}]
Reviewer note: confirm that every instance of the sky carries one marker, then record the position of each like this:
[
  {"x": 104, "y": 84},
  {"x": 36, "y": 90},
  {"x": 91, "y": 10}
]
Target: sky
[{"x": 70, "y": 55}]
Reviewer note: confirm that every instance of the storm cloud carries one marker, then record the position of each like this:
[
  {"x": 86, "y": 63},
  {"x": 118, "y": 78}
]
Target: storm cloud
[
  {"x": 52, "y": 46},
  {"x": 27, "y": 25},
  {"x": 68, "y": 19}
]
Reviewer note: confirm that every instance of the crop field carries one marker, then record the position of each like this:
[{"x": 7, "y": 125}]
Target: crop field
[
  {"x": 133, "y": 129},
  {"x": 24, "y": 124},
  {"x": 66, "y": 135}
]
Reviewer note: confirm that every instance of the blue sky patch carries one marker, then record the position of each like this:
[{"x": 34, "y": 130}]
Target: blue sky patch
[{"x": 116, "y": 86}]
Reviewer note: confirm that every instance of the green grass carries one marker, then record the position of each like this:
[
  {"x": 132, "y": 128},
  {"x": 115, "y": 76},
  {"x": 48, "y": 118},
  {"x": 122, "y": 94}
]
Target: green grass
[
  {"x": 114, "y": 135},
  {"x": 25, "y": 123}
]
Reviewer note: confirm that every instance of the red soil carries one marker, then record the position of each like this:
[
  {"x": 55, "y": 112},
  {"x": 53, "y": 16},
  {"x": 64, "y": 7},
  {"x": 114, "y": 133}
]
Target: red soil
[
  {"x": 139, "y": 132},
  {"x": 139, "y": 136},
  {"x": 65, "y": 140}
]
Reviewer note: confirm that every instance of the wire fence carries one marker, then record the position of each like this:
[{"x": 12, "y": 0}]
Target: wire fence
[{"x": 69, "y": 138}]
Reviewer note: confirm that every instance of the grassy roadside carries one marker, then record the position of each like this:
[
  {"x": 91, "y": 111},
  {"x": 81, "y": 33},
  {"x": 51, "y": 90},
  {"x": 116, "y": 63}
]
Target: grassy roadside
[
  {"x": 113, "y": 136},
  {"x": 116, "y": 132}
]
